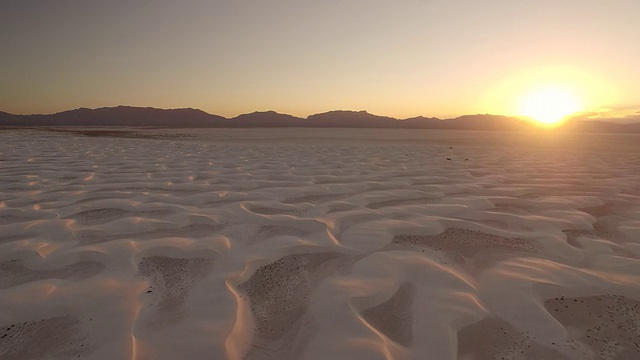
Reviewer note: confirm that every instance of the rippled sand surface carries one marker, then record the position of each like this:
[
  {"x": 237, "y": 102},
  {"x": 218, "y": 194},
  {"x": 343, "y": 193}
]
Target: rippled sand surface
[{"x": 318, "y": 244}]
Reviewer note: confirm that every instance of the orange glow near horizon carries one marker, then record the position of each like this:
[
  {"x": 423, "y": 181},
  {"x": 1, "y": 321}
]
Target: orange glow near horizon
[
  {"x": 549, "y": 94},
  {"x": 549, "y": 105}
]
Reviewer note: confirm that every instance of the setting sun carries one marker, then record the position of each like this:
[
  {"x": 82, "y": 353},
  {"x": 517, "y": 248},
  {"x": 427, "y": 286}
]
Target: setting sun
[{"x": 549, "y": 105}]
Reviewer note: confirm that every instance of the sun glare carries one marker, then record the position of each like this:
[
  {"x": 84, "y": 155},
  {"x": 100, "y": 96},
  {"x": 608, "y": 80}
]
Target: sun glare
[{"x": 549, "y": 106}]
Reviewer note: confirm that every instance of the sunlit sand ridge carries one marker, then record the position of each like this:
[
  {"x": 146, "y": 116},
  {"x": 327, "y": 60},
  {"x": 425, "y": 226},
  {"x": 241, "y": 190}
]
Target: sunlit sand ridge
[{"x": 312, "y": 244}]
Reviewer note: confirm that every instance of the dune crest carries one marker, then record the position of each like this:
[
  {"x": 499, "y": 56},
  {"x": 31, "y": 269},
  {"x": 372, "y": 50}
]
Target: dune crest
[{"x": 318, "y": 244}]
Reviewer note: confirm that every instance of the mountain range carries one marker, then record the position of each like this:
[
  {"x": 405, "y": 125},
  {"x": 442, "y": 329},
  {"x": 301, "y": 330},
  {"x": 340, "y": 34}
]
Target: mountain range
[{"x": 145, "y": 116}]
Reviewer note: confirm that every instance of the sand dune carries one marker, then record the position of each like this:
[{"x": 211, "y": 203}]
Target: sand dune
[{"x": 317, "y": 244}]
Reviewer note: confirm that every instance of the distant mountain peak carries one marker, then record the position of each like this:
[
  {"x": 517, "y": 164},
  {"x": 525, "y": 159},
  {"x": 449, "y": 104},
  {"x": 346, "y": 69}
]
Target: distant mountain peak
[{"x": 123, "y": 115}]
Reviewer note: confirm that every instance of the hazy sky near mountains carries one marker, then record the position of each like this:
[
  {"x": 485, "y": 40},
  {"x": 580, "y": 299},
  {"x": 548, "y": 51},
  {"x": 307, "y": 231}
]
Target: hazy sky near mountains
[{"x": 399, "y": 58}]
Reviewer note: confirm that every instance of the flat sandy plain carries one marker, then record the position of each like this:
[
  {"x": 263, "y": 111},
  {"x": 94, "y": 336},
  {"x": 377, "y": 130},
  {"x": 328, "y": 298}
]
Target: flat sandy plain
[{"x": 318, "y": 244}]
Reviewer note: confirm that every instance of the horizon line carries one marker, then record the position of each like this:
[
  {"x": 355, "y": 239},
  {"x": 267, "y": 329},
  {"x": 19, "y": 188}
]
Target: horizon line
[
  {"x": 573, "y": 117},
  {"x": 520, "y": 117}
]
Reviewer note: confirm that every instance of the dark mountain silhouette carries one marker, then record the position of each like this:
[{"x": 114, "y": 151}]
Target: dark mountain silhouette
[
  {"x": 139, "y": 116},
  {"x": 265, "y": 119},
  {"x": 358, "y": 119},
  {"x": 344, "y": 118},
  {"x": 487, "y": 122},
  {"x": 421, "y": 122},
  {"x": 7, "y": 119},
  {"x": 118, "y": 116}
]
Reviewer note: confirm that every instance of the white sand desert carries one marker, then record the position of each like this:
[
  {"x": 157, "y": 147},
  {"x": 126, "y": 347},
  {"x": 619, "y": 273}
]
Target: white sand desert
[{"x": 319, "y": 244}]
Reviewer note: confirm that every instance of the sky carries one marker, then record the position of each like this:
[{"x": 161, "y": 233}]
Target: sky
[{"x": 400, "y": 58}]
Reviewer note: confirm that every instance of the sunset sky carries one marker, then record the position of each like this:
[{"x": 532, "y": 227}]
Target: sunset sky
[{"x": 399, "y": 58}]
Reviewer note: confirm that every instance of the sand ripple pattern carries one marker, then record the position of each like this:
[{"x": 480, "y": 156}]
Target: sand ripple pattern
[{"x": 317, "y": 244}]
